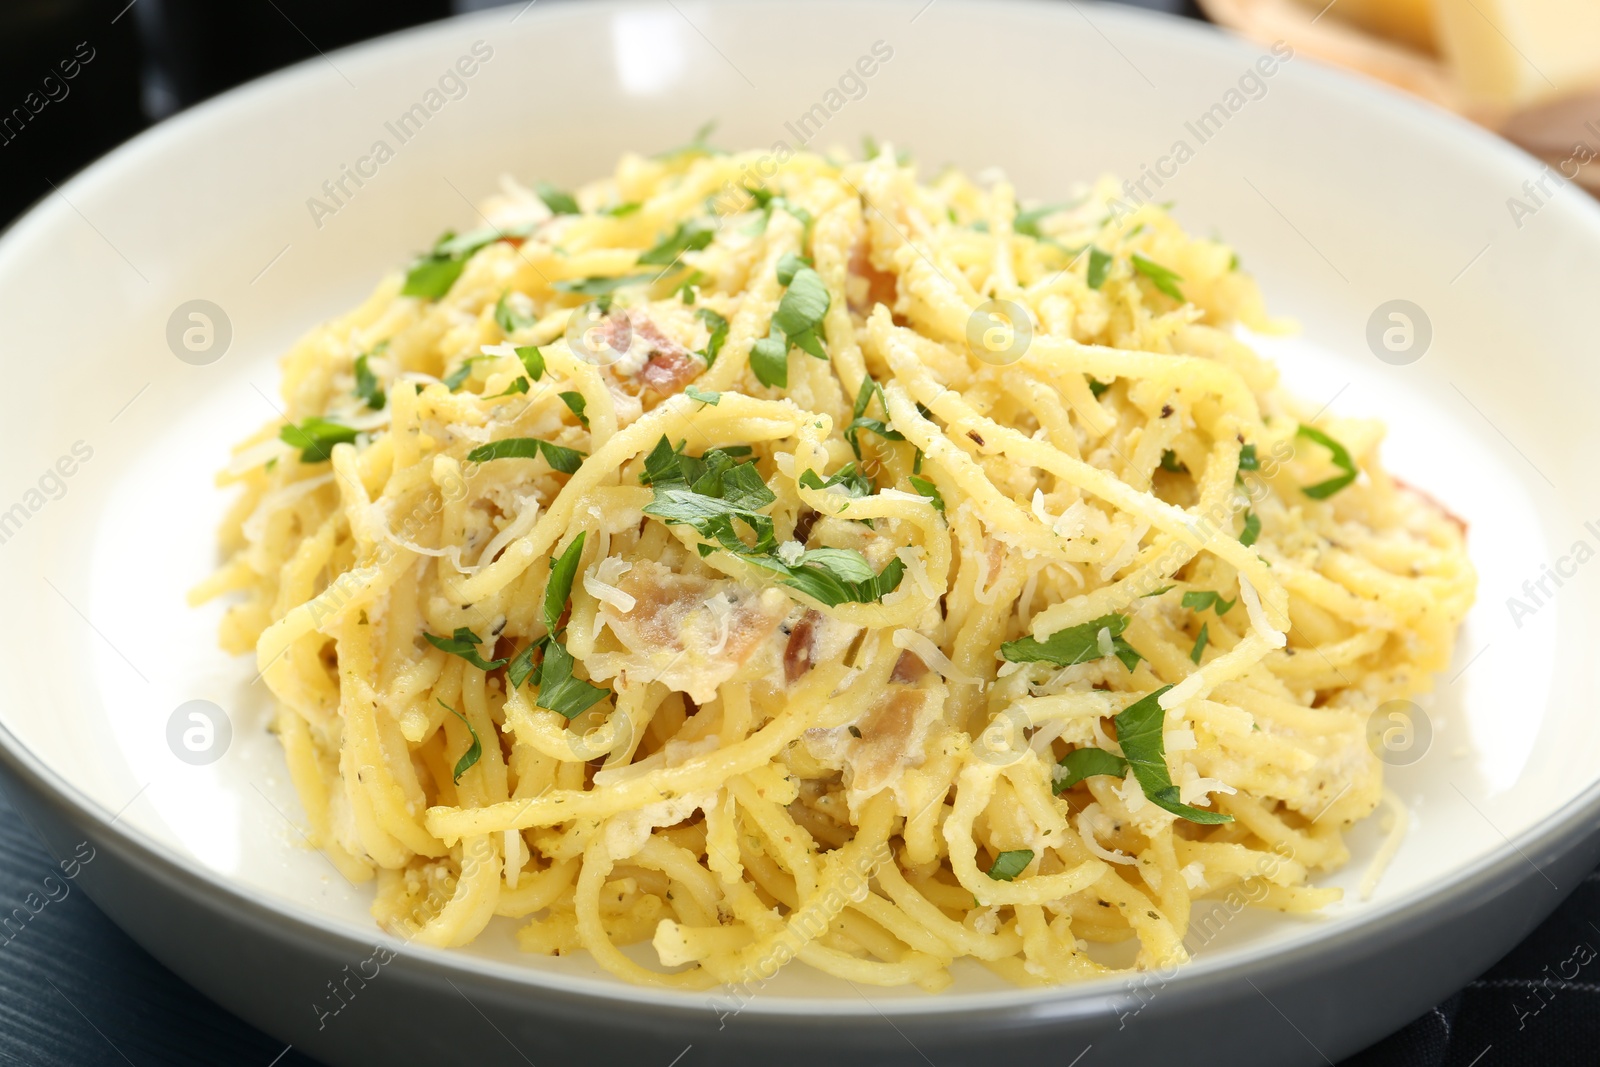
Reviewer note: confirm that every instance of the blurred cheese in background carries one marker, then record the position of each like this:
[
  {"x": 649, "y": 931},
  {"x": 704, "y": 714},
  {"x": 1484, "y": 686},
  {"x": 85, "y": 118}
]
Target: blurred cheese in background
[
  {"x": 1528, "y": 69},
  {"x": 1513, "y": 53},
  {"x": 1407, "y": 22}
]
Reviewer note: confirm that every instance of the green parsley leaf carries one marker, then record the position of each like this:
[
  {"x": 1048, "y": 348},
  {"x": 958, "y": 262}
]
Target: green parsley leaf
[
  {"x": 565, "y": 460},
  {"x": 600, "y": 286},
  {"x": 1065, "y": 648},
  {"x": 464, "y": 643},
  {"x": 1247, "y": 458},
  {"x": 859, "y": 421},
  {"x": 1252, "y": 529},
  {"x": 1099, "y": 267},
  {"x": 803, "y": 305},
  {"x": 576, "y": 404},
  {"x": 557, "y": 201},
  {"x": 703, "y": 396},
  {"x": 1139, "y": 732},
  {"x": 699, "y": 145},
  {"x": 432, "y": 275},
  {"x": 559, "y": 691},
  {"x": 1027, "y": 222},
  {"x": 522, "y": 665},
  {"x": 926, "y": 488},
  {"x": 769, "y": 358},
  {"x": 1158, "y": 592},
  {"x": 1083, "y": 763},
  {"x": 690, "y": 236},
  {"x": 1098, "y": 388},
  {"x": 532, "y": 360},
  {"x": 520, "y": 385},
  {"x": 1008, "y": 865},
  {"x": 617, "y": 211},
  {"x": 367, "y": 387},
  {"x": 558, "y": 590},
  {"x": 833, "y": 576},
  {"x": 473, "y": 754},
  {"x": 789, "y": 265},
  {"x": 1200, "y": 643},
  {"x": 508, "y": 318},
  {"x": 850, "y": 476},
  {"x": 458, "y": 377},
  {"x": 1169, "y": 462},
  {"x": 315, "y": 437},
  {"x": 1341, "y": 459},
  {"x": 1201, "y": 599},
  {"x": 1162, "y": 278},
  {"x": 719, "y": 334}
]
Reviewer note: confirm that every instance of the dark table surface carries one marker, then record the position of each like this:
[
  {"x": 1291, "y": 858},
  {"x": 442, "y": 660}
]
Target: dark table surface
[{"x": 75, "y": 990}]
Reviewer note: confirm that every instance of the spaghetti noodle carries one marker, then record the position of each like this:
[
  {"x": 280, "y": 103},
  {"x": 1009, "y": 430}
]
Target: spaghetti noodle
[{"x": 763, "y": 559}]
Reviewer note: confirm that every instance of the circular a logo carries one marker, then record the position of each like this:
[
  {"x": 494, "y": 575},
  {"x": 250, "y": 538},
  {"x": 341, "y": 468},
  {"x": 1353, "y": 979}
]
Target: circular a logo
[
  {"x": 1399, "y": 332},
  {"x": 199, "y": 732},
  {"x": 199, "y": 332},
  {"x": 1399, "y": 733},
  {"x": 599, "y": 335},
  {"x": 1004, "y": 739},
  {"x": 999, "y": 332}
]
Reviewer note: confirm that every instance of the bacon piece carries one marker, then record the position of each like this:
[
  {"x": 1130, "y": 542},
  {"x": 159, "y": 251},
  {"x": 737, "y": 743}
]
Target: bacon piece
[
  {"x": 1456, "y": 520},
  {"x": 908, "y": 668},
  {"x": 874, "y": 750},
  {"x": 670, "y": 367},
  {"x": 882, "y": 287},
  {"x": 801, "y": 651},
  {"x": 689, "y": 633}
]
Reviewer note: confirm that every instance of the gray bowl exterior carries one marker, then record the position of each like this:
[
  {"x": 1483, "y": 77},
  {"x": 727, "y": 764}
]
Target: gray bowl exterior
[{"x": 278, "y": 972}]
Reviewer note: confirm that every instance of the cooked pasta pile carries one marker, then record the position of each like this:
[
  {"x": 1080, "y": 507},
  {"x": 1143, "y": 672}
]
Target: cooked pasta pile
[{"x": 747, "y": 559}]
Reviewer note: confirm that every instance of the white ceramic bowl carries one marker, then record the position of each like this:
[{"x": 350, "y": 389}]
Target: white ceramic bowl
[{"x": 1340, "y": 195}]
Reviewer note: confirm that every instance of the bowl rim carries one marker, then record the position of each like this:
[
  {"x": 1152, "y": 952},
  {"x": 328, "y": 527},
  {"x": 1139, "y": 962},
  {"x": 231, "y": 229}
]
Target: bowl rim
[{"x": 1196, "y": 982}]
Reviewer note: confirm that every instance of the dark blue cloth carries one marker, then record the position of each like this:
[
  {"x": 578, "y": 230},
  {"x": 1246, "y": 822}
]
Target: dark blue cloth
[{"x": 75, "y": 991}]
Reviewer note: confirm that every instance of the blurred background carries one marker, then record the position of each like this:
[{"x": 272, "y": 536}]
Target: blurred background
[{"x": 106, "y": 69}]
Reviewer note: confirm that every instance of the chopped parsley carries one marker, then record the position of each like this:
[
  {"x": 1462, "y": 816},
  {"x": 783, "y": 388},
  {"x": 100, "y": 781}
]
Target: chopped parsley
[
  {"x": 367, "y": 387},
  {"x": 532, "y": 360},
  {"x": 1252, "y": 529},
  {"x": 859, "y": 421},
  {"x": 473, "y": 754},
  {"x": 1169, "y": 462},
  {"x": 855, "y": 482},
  {"x": 1099, "y": 267},
  {"x": 926, "y": 488},
  {"x": 1139, "y": 732},
  {"x": 1008, "y": 865},
  {"x": 789, "y": 265},
  {"x": 1247, "y": 458},
  {"x": 601, "y": 285},
  {"x": 565, "y": 460},
  {"x": 576, "y": 404},
  {"x": 1341, "y": 459},
  {"x": 1027, "y": 222},
  {"x": 558, "y": 202},
  {"x": 432, "y": 274},
  {"x": 702, "y": 395},
  {"x": 315, "y": 437},
  {"x": 1074, "y": 645},
  {"x": 690, "y": 236},
  {"x": 617, "y": 211},
  {"x": 464, "y": 643},
  {"x": 699, "y": 145},
  {"x": 458, "y": 377},
  {"x": 516, "y": 387},
  {"x": 1083, "y": 763},
  {"x": 713, "y": 493},
  {"x": 1162, "y": 278},
  {"x": 1200, "y": 643},
  {"x": 1201, "y": 599},
  {"x": 719, "y": 334},
  {"x": 795, "y": 324},
  {"x": 509, "y": 319},
  {"x": 559, "y": 690},
  {"x": 1098, "y": 388}
]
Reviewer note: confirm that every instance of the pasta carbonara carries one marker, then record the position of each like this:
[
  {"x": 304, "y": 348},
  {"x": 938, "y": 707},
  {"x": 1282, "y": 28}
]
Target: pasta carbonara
[{"x": 748, "y": 558}]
